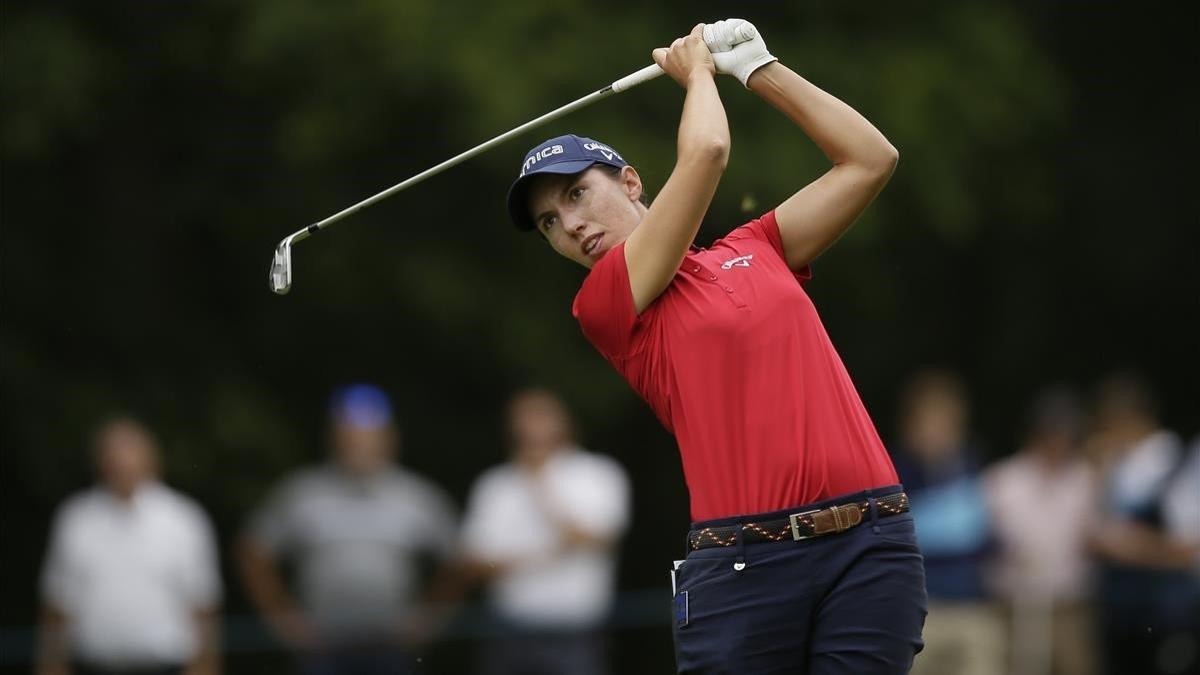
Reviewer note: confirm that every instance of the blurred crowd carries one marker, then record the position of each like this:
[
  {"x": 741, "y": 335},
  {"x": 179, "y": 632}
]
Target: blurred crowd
[
  {"x": 355, "y": 564},
  {"x": 1078, "y": 552}
]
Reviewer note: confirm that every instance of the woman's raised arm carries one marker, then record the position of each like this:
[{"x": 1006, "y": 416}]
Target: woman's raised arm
[
  {"x": 863, "y": 161},
  {"x": 655, "y": 249}
]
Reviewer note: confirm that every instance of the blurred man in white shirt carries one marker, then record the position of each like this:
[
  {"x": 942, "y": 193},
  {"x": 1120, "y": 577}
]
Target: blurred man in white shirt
[
  {"x": 542, "y": 530},
  {"x": 131, "y": 583}
]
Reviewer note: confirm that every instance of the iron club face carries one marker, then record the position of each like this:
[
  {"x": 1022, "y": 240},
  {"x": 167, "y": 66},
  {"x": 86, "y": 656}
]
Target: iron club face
[
  {"x": 281, "y": 268},
  {"x": 280, "y": 275}
]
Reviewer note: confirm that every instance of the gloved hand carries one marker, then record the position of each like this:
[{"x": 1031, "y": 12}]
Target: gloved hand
[{"x": 737, "y": 48}]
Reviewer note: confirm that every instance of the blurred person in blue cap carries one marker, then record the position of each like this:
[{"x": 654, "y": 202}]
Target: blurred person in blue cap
[
  {"x": 355, "y": 530},
  {"x": 131, "y": 584}
]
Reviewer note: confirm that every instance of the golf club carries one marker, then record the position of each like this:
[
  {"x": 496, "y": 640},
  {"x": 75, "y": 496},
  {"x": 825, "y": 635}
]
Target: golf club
[{"x": 280, "y": 277}]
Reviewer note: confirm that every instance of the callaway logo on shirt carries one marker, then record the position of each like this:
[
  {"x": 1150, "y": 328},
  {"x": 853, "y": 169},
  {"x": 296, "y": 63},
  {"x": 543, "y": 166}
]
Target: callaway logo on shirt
[{"x": 740, "y": 261}]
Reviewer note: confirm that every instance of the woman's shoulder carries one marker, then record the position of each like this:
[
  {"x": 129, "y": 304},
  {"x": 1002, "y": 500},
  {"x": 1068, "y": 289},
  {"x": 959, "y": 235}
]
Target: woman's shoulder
[{"x": 762, "y": 229}]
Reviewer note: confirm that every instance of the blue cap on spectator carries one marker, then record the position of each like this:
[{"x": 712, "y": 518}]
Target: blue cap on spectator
[
  {"x": 364, "y": 406},
  {"x": 561, "y": 155}
]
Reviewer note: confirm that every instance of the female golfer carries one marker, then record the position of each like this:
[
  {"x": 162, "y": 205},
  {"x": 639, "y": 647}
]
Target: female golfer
[{"x": 802, "y": 558}]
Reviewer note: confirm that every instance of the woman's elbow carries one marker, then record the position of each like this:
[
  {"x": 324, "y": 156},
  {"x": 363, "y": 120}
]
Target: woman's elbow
[
  {"x": 883, "y": 161},
  {"x": 718, "y": 152},
  {"x": 893, "y": 157},
  {"x": 711, "y": 150}
]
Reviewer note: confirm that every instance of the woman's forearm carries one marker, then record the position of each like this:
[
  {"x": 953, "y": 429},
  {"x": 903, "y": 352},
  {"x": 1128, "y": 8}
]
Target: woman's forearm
[
  {"x": 845, "y": 136},
  {"x": 703, "y": 126},
  {"x": 654, "y": 250}
]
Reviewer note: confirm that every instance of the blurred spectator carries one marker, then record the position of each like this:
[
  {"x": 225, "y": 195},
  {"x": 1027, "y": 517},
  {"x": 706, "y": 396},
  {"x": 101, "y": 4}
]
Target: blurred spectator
[
  {"x": 963, "y": 632},
  {"x": 1181, "y": 520},
  {"x": 131, "y": 583},
  {"x": 1042, "y": 501},
  {"x": 542, "y": 531},
  {"x": 1149, "y": 592},
  {"x": 1181, "y": 500},
  {"x": 355, "y": 531}
]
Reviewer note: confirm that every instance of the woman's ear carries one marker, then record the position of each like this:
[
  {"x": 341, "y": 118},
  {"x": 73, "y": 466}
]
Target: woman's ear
[{"x": 632, "y": 183}]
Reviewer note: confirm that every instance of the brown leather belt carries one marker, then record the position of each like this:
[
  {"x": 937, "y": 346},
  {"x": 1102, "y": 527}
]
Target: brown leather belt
[{"x": 802, "y": 525}]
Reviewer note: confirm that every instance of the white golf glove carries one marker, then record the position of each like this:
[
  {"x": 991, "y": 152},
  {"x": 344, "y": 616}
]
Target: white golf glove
[{"x": 737, "y": 48}]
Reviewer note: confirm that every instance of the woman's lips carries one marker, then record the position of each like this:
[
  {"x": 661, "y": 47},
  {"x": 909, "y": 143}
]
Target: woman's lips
[{"x": 591, "y": 244}]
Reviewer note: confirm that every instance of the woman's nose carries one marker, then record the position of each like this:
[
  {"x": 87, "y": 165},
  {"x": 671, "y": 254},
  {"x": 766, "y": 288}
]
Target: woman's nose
[{"x": 575, "y": 224}]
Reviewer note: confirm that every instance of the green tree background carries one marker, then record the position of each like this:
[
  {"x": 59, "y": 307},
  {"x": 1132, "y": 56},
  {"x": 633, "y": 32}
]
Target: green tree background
[{"x": 1041, "y": 227}]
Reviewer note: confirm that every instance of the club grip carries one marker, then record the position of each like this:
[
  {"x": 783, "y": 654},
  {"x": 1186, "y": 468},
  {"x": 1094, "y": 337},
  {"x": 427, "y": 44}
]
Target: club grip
[
  {"x": 745, "y": 32},
  {"x": 634, "y": 79}
]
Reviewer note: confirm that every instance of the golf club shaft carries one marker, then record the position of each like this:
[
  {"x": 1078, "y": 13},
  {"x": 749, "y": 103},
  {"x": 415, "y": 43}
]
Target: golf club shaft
[{"x": 633, "y": 79}]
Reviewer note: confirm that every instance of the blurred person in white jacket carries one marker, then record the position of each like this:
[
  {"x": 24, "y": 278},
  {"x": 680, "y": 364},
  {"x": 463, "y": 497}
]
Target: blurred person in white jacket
[
  {"x": 541, "y": 531},
  {"x": 131, "y": 583}
]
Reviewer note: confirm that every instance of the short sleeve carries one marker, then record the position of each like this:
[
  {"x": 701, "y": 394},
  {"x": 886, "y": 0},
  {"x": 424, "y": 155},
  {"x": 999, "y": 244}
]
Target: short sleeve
[
  {"x": 766, "y": 229},
  {"x": 604, "y": 306}
]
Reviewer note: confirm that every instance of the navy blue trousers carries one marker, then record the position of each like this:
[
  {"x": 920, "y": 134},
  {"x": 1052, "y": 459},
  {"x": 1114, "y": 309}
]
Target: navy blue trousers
[
  {"x": 847, "y": 603},
  {"x": 379, "y": 658}
]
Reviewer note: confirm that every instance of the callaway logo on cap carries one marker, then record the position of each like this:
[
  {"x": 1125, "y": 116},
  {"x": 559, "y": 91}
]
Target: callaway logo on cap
[{"x": 563, "y": 155}]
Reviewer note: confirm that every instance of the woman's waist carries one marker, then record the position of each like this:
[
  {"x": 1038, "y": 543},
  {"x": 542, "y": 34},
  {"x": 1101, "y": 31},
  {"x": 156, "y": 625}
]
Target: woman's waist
[{"x": 790, "y": 508}]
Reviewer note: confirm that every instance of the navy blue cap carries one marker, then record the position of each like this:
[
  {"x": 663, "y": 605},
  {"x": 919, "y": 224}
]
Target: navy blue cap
[
  {"x": 562, "y": 155},
  {"x": 363, "y": 406}
]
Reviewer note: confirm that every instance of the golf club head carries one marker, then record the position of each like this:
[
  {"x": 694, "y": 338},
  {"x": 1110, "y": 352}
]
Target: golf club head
[{"x": 280, "y": 276}]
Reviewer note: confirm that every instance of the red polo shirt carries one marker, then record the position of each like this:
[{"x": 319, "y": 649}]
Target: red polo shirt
[{"x": 734, "y": 361}]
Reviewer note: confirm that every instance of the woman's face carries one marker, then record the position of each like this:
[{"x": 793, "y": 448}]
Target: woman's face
[{"x": 584, "y": 215}]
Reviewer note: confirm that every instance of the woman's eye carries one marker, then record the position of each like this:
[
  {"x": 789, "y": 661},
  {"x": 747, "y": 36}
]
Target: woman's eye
[
  {"x": 576, "y": 193},
  {"x": 548, "y": 222}
]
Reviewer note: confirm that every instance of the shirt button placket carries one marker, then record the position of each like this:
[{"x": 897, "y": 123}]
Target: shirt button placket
[{"x": 729, "y": 290}]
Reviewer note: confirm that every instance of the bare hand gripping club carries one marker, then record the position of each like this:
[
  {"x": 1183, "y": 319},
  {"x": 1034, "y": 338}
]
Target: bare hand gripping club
[{"x": 280, "y": 277}]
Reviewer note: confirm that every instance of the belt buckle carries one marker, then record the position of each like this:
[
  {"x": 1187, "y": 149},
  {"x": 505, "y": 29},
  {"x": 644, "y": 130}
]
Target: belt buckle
[{"x": 794, "y": 518}]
